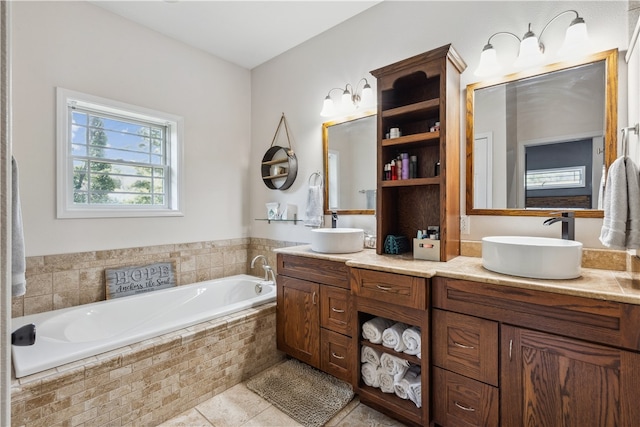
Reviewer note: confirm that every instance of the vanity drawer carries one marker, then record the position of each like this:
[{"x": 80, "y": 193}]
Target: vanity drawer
[
  {"x": 323, "y": 271},
  {"x": 460, "y": 401},
  {"x": 391, "y": 288},
  {"x": 335, "y": 309},
  {"x": 336, "y": 357},
  {"x": 466, "y": 345}
]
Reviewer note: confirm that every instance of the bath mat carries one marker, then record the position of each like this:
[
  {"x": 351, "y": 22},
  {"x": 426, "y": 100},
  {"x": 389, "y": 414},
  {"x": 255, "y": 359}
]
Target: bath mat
[{"x": 305, "y": 394}]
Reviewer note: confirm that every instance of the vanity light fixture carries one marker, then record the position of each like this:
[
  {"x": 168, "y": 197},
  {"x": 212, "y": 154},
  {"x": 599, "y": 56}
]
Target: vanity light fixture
[
  {"x": 350, "y": 101},
  {"x": 532, "y": 50}
]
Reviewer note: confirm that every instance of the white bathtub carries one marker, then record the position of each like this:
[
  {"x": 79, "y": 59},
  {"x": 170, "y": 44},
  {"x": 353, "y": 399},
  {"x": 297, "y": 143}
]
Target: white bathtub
[{"x": 70, "y": 334}]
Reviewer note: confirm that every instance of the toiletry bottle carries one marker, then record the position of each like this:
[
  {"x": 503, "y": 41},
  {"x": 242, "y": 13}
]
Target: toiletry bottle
[
  {"x": 413, "y": 167},
  {"x": 394, "y": 175},
  {"x": 399, "y": 167},
  {"x": 437, "y": 169},
  {"x": 405, "y": 165}
]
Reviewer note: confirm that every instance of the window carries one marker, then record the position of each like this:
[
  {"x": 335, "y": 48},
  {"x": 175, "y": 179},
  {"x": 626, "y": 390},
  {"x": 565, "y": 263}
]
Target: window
[
  {"x": 116, "y": 160},
  {"x": 568, "y": 177}
]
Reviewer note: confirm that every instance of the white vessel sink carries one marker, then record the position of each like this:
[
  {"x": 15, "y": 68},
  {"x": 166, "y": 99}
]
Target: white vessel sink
[
  {"x": 534, "y": 257},
  {"x": 337, "y": 240}
]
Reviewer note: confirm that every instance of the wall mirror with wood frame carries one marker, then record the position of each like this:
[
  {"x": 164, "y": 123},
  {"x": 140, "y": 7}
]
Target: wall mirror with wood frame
[
  {"x": 540, "y": 141},
  {"x": 349, "y": 150}
]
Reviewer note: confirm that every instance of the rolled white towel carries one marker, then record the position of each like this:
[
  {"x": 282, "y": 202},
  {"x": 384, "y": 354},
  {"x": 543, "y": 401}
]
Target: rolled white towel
[
  {"x": 392, "y": 337},
  {"x": 415, "y": 394},
  {"x": 406, "y": 387},
  {"x": 368, "y": 354},
  {"x": 412, "y": 340},
  {"x": 393, "y": 365},
  {"x": 387, "y": 383},
  {"x": 372, "y": 329},
  {"x": 371, "y": 374}
]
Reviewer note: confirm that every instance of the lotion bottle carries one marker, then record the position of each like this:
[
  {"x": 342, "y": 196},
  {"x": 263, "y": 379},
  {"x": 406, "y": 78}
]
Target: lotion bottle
[{"x": 405, "y": 165}]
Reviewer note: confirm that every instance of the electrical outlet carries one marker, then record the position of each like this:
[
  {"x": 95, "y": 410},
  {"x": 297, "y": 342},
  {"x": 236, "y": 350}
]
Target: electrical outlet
[{"x": 465, "y": 224}]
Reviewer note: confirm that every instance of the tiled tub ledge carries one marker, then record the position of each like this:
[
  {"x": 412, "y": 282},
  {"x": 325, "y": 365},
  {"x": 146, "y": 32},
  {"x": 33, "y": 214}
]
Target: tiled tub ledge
[{"x": 152, "y": 381}]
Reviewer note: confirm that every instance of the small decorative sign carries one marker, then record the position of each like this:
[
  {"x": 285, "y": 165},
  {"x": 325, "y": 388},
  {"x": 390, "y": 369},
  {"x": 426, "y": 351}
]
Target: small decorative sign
[{"x": 122, "y": 282}]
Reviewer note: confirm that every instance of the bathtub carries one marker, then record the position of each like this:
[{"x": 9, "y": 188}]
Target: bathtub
[{"x": 70, "y": 334}]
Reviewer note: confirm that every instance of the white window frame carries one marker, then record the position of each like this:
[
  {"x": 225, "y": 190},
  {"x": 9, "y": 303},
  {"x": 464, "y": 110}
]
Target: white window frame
[{"x": 66, "y": 208}]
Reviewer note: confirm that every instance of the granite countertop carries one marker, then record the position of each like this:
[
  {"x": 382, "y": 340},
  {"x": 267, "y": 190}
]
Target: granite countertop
[{"x": 599, "y": 284}]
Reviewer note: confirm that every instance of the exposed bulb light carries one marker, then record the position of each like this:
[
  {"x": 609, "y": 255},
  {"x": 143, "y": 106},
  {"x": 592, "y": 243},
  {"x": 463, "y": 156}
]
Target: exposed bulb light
[{"x": 350, "y": 101}]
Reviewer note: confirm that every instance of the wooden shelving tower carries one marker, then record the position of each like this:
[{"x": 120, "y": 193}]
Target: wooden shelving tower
[{"x": 413, "y": 95}]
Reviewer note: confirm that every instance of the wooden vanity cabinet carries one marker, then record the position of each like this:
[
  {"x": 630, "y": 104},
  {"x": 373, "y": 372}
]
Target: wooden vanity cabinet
[
  {"x": 563, "y": 360},
  {"x": 398, "y": 298},
  {"x": 313, "y": 313}
]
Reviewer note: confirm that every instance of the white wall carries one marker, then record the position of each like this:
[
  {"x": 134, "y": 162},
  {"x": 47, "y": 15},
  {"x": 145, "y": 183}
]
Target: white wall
[
  {"x": 79, "y": 46},
  {"x": 231, "y": 113},
  {"x": 296, "y": 82}
]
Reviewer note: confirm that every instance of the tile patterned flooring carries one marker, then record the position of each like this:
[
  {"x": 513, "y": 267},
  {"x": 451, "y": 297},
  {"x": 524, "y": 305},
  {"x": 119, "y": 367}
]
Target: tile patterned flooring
[{"x": 239, "y": 406}]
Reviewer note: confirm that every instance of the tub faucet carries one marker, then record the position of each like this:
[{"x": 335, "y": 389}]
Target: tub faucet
[
  {"x": 334, "y": 219},
  {"x": 268, "y": 271},
  {"x": 568, "y": 224}
]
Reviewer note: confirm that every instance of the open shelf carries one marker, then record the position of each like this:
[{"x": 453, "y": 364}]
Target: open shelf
[
  {"x": 411, "y": 182},
  {"x": 410, "y": 110},
  {"x": 379, "y": 347}
]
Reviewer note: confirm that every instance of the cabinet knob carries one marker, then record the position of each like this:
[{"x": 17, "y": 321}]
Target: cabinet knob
[{"x": 384, "y": 288}]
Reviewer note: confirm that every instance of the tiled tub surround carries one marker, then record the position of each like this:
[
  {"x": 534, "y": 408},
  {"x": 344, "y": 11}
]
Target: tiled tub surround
[
  {"x": 68, "y": 280},
  {"x": 151, "y": 381},
  {"x": 148, "y": 382}
]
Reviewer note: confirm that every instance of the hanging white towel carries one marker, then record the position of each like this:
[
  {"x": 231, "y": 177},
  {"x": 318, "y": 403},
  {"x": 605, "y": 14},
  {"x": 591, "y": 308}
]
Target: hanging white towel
[
  {"x": 315, "y": 208},
  {"x": 621, "y": 223},
  {"x": 392, "y": 337},
  {"x": 633, "y": 199},
  {"x": 412, "y": 340},
  {"x": 372, "y": 329},
  {"x": 601, "y": 188},
  {"x": 18, "y": 261}
]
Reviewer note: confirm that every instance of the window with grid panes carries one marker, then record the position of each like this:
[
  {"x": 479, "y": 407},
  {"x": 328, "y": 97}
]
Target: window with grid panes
[{"x": 116, "y": 159}]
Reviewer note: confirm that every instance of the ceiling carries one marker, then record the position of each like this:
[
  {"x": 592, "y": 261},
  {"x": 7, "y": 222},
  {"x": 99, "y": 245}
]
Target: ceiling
[{"x": 246, "y": 33}]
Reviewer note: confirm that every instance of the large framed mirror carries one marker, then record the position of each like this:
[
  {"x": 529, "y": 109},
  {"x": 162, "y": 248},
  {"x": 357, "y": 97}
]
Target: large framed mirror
[
  {"x": 349, "y": 149},
  {"x": 541, "y": 141}
]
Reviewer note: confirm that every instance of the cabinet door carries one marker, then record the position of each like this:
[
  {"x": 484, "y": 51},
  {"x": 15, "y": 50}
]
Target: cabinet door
[
  {"x": 548, "y": 380},
  {"x": 298, "y": 319}
]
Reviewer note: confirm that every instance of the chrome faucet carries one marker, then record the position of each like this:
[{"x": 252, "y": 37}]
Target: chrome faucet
[
  {"x": 268, "y": 271},
  {"x": 568, "y": 224},
  {"x": 334, "y": 219}
]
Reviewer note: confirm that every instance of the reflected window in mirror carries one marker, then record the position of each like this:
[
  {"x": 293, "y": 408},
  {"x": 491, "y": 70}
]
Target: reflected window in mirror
[
  {"x": 538, "y": 143},
  {"x": 349, "y": 150}
]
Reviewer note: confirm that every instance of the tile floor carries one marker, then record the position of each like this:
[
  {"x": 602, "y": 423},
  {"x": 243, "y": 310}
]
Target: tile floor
[{"x": 239, "y": 406}]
